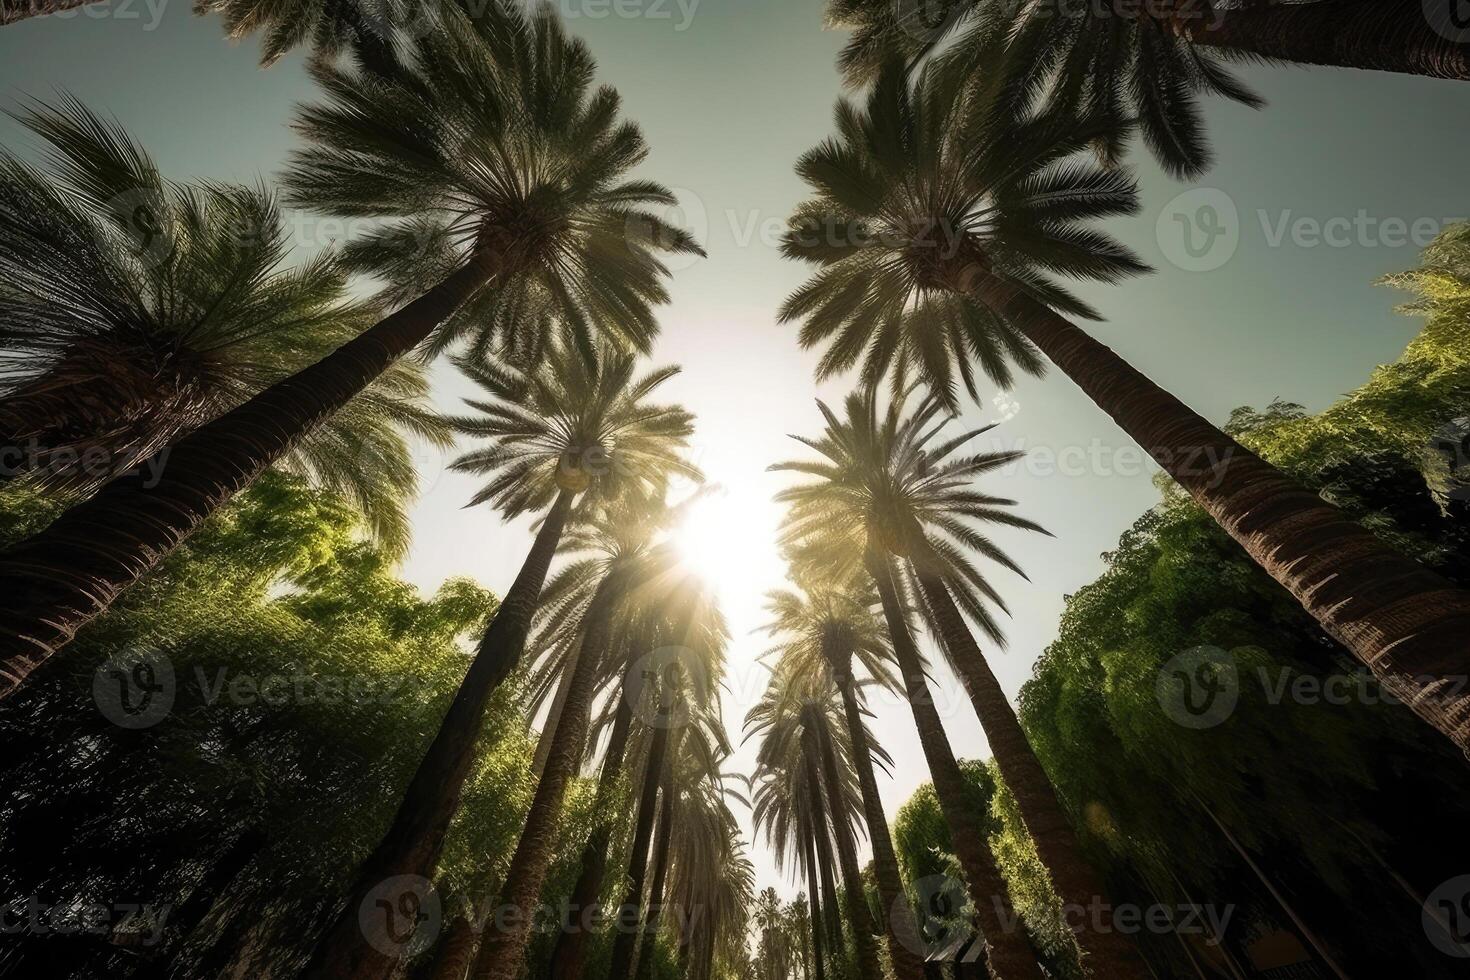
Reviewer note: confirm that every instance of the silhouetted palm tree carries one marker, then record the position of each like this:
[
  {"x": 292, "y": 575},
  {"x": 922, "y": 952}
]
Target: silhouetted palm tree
[
  {"x": 500, "y": 175},
  {"x": 572, "y": 426},
  {"x": 136, "y": 310},
  {"x": 937, "y": 219}
]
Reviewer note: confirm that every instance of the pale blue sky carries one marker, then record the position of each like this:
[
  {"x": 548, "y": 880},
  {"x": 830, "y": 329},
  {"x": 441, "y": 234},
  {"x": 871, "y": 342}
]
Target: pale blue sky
[{"x": 729, "y": 92}]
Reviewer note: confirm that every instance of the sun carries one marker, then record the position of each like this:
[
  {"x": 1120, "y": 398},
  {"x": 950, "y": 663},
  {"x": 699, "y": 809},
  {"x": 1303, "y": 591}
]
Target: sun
[{"x": 727, "y": 539}]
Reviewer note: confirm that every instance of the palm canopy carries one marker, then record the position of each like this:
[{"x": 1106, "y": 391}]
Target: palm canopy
[
  {"x": 136, "y": 309},
  {"x": 1088, "y": 58},
  {"x": 895, "y": 481},
  {"x": 794, "y": 707},
  {"x": 576, "y": 422},
  {"x": 823, "y": 615},
  {"x": 490, "y": 138},
  {"x": 928, "y": 185},
  {"x": 327, "y": 27}
]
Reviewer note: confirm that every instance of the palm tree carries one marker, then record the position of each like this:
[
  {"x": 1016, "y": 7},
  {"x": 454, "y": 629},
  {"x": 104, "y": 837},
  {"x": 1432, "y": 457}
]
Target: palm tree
[
  {"x": 685, "y": 726},
  {"x": 662, "y": 606},
  {"x": 570, "y": 427},
  {"x": 935, "y": 221},
  {"x": 820, "y": 631},
  {"x": 799, "y": 747},
  {"x": 713, "y": 881},
  {"x": 498, "y": 173},
  {"x": 775, "y": 956},
  {"x": 897, "y": 493},
  {"x": 1152, "y": 60},
  {"x": 109, "y": 354}
]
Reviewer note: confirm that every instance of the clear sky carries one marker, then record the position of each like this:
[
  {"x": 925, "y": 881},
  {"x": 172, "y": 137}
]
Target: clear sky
[{"x": 1324, "y": 183}]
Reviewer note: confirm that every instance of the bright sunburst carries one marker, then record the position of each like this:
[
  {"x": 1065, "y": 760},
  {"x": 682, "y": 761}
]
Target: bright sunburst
[{"x": 727, "y": 538}]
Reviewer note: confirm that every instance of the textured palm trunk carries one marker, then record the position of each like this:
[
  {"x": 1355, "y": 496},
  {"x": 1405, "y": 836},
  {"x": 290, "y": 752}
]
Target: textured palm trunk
[
  {"x": 1408, "y": 625},
  {"x": 1009, "y": 952},
  {"x": 13, "y": 11},
  {"x": 413, "y": 843},
  {"x": 1413, "y": 37},
  {"x": 553, "y": 718},
  {"x": 457, "y": 951},
  {"x": 56, "y": 581},
  {"x": 630, "y": 911},
  {"x": 904, "y": 941},
  {"x": 815, "y": 902},
  {"x": 1107, "y": 952},
  {"x": 825, "y": 863},
  {"x": 569, "y": 957},
  {"x": 644, "y": 968},
  {"x": 818, "y": 746},
  {"x": 503, "y": 950}
]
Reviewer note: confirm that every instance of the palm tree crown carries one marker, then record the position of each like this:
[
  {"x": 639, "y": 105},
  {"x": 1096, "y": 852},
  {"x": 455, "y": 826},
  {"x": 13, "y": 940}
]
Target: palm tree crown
[
  {"x": 574, "y": 423},
  {"x": 893, "y": 480},
  {"x": 926, "y": 187},
  {"x": 491, "y": 138},
  {"x": 136, "y": 309}
]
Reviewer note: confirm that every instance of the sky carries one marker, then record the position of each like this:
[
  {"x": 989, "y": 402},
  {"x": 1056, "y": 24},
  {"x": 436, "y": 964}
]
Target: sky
[{"x": 1264, "y": 282}]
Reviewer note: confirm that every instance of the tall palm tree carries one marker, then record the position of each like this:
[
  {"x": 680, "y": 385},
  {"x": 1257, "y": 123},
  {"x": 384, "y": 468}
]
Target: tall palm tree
[
  {"x": 499, "y": 174},
  {"x": 640, "y": 578},
  {"x": 686, "y": 726},
  {"x": 794, "y": 720},
  {"x": 774, "y": 953},
  {"x": 572, "y": 426},
  {"x": 936, "y": 218},
  {"x": 820, "y": 630},
  {"x": 109, "y": 353},
  {"x": 1154, "y": 58},
  {"x": 713, "y": 881},
  {"x": 903, "y": 498}
]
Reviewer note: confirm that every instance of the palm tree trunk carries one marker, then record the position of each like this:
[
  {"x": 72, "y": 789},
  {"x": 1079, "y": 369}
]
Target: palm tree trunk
[
  {"x": 1410, "y": 626},
  {"x": 824, "y": 866},
  {"x": 14, "y": 11},
  {"x": 412, "y": 845},
  {"x": 630, "y": 912},
  {"x": 1108, "y": 951},
  {"x": 458, "y": 949},
  {"x": 1412, "y": 37},
  {"x": 1009, "y": 952},
  {"x": 503, "y": 951},
  {"x": 904, "y": 941},
  {"x": 816, "y": 905},
  {"x": 644, "y": 969},
  {"x": 568, "y": 958},
  {"x": 553, "y": 717},
  {"x": 56, "y": 581},
  {"x": 818, "y": 745}
]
